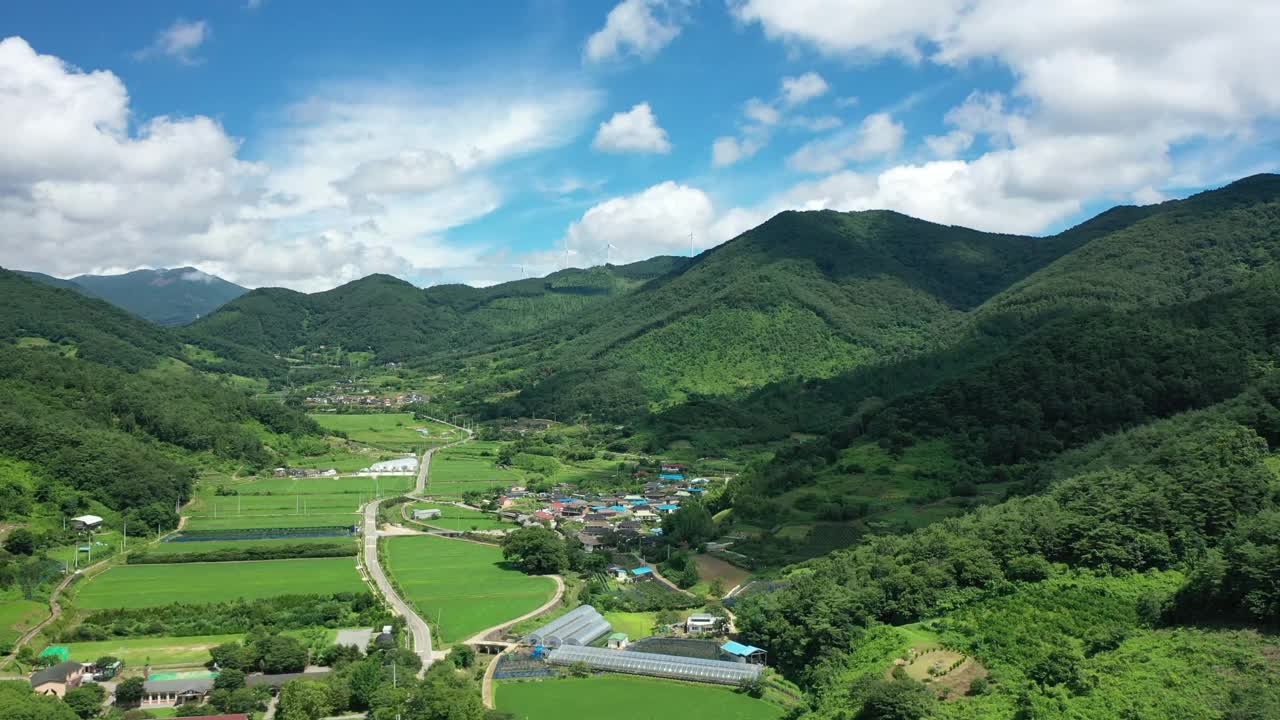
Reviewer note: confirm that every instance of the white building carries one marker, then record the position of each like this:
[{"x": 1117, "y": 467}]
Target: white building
[{"x": 86, "y": 522}]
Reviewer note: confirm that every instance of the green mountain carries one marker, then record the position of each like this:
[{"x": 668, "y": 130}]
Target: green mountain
[
  {"x": 99, "y": 411},
  {"x": 805, "y": 295},
  {"x": 396, "y": 321},
  {"x": 170, "y": 297}
]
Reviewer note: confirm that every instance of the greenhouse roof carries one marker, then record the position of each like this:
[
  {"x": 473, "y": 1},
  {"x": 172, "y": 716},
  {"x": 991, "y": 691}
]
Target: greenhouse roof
[{"x": 656, "y": 665}]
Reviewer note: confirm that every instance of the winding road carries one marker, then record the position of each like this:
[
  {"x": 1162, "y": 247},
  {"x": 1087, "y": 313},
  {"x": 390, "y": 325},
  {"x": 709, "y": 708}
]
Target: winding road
[{"x": 417, "y": 627}]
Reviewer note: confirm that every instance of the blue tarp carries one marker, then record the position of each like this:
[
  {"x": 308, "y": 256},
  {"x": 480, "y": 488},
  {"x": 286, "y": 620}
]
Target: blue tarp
[
  {"x": 642, "y": 571},
  {"x": 671, "y": 476}
]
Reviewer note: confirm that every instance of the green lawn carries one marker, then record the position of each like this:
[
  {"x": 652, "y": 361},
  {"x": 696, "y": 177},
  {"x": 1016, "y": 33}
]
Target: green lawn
[
  {"x": 462, "y": 584},
  {"x": 180, "y": 548},
  {"x": 453, "y": 517},
  {"x": 622, "y": 697},
  {"x": 132, "y": 586},
  {"x": 267, "y": 520},
  {"x": 18, "y": 616},
  {"x": 391, "y": 431}
]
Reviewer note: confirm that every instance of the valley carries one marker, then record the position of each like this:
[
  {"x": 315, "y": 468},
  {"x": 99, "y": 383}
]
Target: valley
[{"x": 847, "y": 465}]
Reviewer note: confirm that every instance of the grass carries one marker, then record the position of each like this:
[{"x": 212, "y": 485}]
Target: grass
[
  {"x": 386, "y": 484},
  {"x": 453, "y": 517},
  {"x": 389, "y": 431},
  {"x": 622, "y": 697},
  {"x": 187, "y": 651},
  {"x": 274, "y": 504},
  {"x": 134, "y": 586},
  {"x": 18, "y": 616},
  {"x": 635, "y": 624},
  {"x": 180, "y": 548},
  {"x": 321, "y": 519},
  {"x": 470, "y": 467},
  {"x": 465, "y": 586}
]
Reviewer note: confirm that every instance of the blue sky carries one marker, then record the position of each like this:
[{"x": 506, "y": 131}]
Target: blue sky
[{"x": 308, "y": 144}]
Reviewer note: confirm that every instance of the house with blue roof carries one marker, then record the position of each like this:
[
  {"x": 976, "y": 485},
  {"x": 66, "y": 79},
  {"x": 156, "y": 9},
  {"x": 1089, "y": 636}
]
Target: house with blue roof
[{"x": 641, "y": 573}]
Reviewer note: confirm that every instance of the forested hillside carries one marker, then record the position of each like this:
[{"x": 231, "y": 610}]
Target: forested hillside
[
  {"x": 396, "y": 321},
  {"x": 174, "y": 296},
  {"x": 805, "y": 295},
  {"x": 96, "y": 406}
]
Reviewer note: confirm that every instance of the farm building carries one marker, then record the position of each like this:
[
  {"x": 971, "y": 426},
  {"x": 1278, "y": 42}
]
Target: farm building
[
  {"x": 581, "y": 626},
  {"x": 642, "y": 573},
  {"x": 427, "y": 514},
  {"x": 398, "y": 465},
  {"x": 86, "y": 522},
  {"x": 700, "y": 622},
  {"x": 618, "y": 641},
  {"x": 172, "y": 693},
  {"x": 58, "y": 679},
  {"x": 744, "y": 653},
  {"x": 674, "y": 667}
]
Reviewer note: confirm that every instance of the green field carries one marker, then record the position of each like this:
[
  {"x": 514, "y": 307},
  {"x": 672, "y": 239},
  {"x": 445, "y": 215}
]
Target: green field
[
  {"x": 18, "y": 616},
  {"x": 453, "y": 517},
  {"x": 469, "y": 467},
  {"x": 462, "y": 584},
  {"x": 388, "y": 485},
  {"x": 275, "y": 504},
  {"x": 132, "y": 586},
  {"x": 320, "y": 519},
  {"x": 635, "y": 624},
  {"x": 389, "y": 431},
  {"x": 180, "y": 548},
  {"x": 622, "y": 697},
  {"x": 163, "y": 651}
]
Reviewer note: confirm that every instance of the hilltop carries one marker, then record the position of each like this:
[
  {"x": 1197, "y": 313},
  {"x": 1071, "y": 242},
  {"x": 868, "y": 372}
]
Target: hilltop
[{"x": 167, "y": 296}]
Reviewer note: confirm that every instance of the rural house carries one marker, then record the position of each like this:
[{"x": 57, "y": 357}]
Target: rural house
[
  {"x": 58, "y": 679},
  {"x": 86, "y": 522}
]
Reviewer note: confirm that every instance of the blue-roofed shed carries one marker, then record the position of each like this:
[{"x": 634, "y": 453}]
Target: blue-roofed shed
[
  {"x": 696, "y": 490},
  {"x": 668, "y": 508},
  {"x": 744, "y": 653},
  {"x": 671, "y": 476},
  {"x": 642, "y": 571},
  {"x": 620, "y": 508}
]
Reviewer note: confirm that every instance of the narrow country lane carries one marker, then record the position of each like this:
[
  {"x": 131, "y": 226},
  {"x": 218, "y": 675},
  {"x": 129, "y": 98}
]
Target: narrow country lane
[{"x": 418, "y": 628}]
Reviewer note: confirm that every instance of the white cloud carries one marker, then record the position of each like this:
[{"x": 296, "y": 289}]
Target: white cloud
[
  {"x": 657, "y": 221},
  {"x": 761, "y": 112},
  {"x": 802, "y": 89},
  {"x": 86, "y": 186},
  {"x": 821, "y": 123},
  {"x": 636, "y": 130},
  {"x": 726, "y": 151},
  {"x": 877, "y": 136},
  {"x": 949, "y": 145},
  {"x": 850, "y": 26},
  {"x": 640, "y": 28},
  {"x": 178, "y": 41}
]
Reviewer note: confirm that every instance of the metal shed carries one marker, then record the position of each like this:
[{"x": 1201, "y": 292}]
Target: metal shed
[{"x": 654, "y": 665}]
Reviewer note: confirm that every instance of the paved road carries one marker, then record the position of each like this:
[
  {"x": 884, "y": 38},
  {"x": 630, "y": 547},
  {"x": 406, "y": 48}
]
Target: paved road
[{"x": 418, "y": 627}]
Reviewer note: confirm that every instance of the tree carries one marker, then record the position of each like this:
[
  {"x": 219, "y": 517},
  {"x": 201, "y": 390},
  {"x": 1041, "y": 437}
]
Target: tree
[
  {"x": 462, "y": 656},
  {"x": 895, "y": 700},
  {"x": 690, "y": 525},
  {"x": 536, "y": 550},
  {"x": 280, "y": 654},
  {"x": 129, "y": 692},
  {"x": 20, "y": 542},
  {"x": 18, "y": 702},
  {"x": 229, "y": 655},
  {"x": 304, "y": 700},
  {"x": 86, "y": 700},
  {"x": 229, "y": 679},
  {"x": 106, "y": 661}
]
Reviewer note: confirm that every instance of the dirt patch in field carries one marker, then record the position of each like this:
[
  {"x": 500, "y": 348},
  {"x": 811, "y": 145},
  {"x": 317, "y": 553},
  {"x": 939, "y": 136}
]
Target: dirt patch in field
[
  {"x": 948, "y": 673},
  {"x": 713, "y": 568}
]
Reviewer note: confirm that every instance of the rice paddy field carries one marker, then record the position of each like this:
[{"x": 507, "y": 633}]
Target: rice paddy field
[
  {"x": 469, "y": 467},
  {"x": 463, "y": 587},
  {"x": 453, "y": 517},
  {"x": 179, "y": 548},
  {"x": 320, "y": 485},
  {"x": 624, "y": 697},
  {"x": 311, "y": 519},
  {"x": 635, "y": 624},
  {"x": 134, "y": 586},
  {"x": 388, "y": 431}
]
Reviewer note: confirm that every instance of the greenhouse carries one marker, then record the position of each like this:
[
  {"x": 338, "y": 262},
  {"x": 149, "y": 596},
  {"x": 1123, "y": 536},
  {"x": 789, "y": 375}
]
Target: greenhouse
[
  {"x": 580, "y": 626},
  {"x": 663, "y": 666}
]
